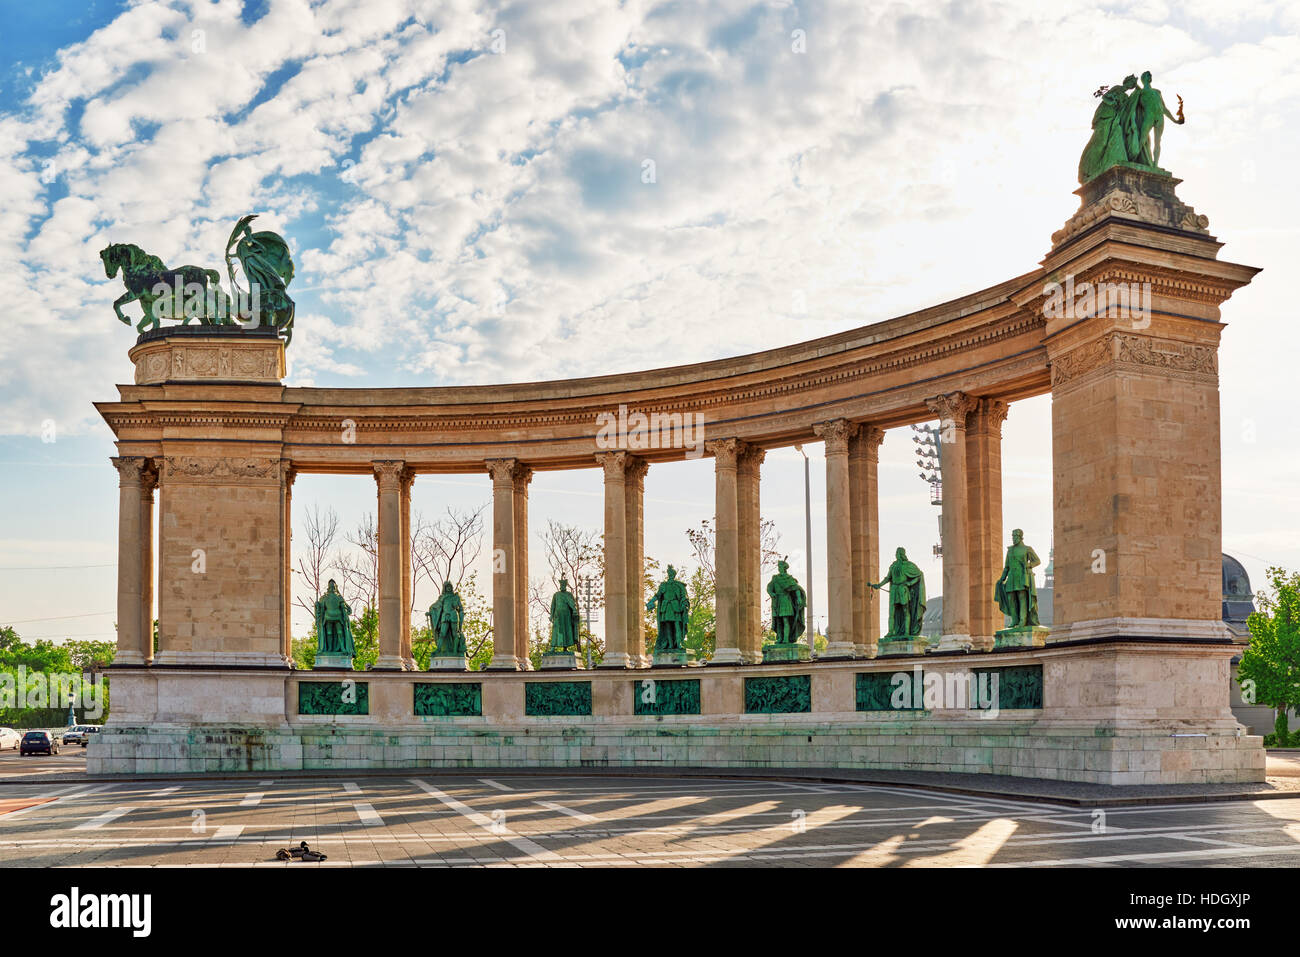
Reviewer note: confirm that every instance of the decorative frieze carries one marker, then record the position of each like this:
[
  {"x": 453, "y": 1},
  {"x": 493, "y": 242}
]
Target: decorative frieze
[
  {"x": 1139, "y": 353},
  {"x": 552, "y": 698},
  {"x": 779, "y": 694},
  {"x": 652, "y": 696},
  {"x": 450, "y": 699},
  {"x": 333, "y": 697},
  {"x": 192, "y": 359}
]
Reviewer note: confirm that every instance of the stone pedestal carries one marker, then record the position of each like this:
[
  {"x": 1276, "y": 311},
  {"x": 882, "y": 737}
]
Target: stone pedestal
[
  {"x": 671, "y": 659},
  {"x": 449, "y": 663},
  {"x": 952, "y": 643},
  {"x": 561, "y": 661},
  {"x": 797, "y": 651},
  {"x": 902, "y": 646},
  {"x": 1025, "y": 636},
  {"x": 332, "y": 661}
]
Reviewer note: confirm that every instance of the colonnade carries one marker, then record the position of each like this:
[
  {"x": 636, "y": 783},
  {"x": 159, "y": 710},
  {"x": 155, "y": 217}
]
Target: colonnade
[{"x": 970, "y": 461}]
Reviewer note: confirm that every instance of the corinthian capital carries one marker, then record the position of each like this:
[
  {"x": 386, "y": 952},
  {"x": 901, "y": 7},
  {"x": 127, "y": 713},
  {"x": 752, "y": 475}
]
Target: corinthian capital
[
  {"x": 130, "y": 469},
  {"x": 836, "y": 434},
  {"x": 952, "y": 408},
  {"x": 389, "y": 474},
  {"x": 725, "y": 452},
  {"x": 989, "y": 416},
  {"x": 502, "y": 470}
]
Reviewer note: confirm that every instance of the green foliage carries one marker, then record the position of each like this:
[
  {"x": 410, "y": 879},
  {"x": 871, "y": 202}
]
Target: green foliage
[
  {"x": 86, "y": 655},
  {"x": 303, "y": 652},
  {"x": 365, "y": 639},
  {"x": 1269, "y": 673},
  {"x": 701, "y": 627}
]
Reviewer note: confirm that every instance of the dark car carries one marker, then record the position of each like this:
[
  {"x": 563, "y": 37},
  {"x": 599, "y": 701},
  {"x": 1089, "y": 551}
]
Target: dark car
[{"x": 39, "y": 742}]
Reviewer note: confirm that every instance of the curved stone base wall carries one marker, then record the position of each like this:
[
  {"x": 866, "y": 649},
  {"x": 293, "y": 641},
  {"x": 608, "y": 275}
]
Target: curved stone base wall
[{"x": 1108, "y": 712}]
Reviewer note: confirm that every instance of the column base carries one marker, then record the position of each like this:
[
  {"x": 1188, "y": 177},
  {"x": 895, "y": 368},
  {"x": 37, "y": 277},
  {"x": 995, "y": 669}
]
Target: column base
[
  {"x": 750, "y": 658},
  {"x": 411, "y": 664},
  {"x": 619, "y": 659},
  {"x": 953, "y": 643},
  {"x": 505, "y": 663},
  {"x": 679, "y": 658},
  {"x": 389, "y": 663},
  {"x": 130, "y": 658},
  {"x": 864, "y": 651},
  {"x": 449, "y": 663},
  {"x": 983, "y": 643},
  {"x": 836, "y": 649},
  {"x": 726, "y": 656}
]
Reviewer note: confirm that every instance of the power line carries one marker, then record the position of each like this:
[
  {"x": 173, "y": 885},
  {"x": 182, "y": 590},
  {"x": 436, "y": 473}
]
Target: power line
[
  {"x": 89, "y": 614},
  {"x": 42, "y": 568}
]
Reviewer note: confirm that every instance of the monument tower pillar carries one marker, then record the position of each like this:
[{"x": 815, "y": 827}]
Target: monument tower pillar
[
  {"x": 504, "y": 652},
  {"x": 726, "y": 559},
  {"x": 839, "y": 539},
  {"x": 407, "y": 479},
  {"x": 952, "y": 410},
  {"x": 521, "y": 476},
  {"x": 616, "y": 587},
  {"x": 864, "y": 525},
  {"x": 388, "y": 477},
  {"x": 750, "y": 547},
  {"x": 984, "y": 502},
  {"x": 130, "y": 578},
  {"x": 634, "y": 523}
]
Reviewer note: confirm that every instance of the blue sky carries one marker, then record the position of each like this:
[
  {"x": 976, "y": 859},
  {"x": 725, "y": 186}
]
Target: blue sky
[{"x": 461, "y": 184}]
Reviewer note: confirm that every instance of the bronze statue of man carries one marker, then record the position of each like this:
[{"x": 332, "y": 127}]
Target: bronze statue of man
[
  {"x": 1015, "y": 592},
  {"x": 674, "y": 611},
  {"x": 788, "y": 604},
  {"x": 333, "y": 624},
  {"x": 446, "y": 619},
  {"x": 1150, "y": 116},
  {"x": 564, "y": 619},
  {"x": 906, "y": 597}
]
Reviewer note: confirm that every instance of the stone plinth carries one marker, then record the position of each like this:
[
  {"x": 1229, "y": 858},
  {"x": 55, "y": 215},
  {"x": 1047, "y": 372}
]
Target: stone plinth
[
  {"x": 448, "y": 663},
  {"x": 952, "y": 643},
  {"x": 797, "y": 651},
  {"x": 332, "y": 662},
  {"x": 560, "y": 661},
  {"x": 671, "y": 659},
  {"x": 208, "y": 354},
  {"x": 902, "y": 646},
  {"x": 1028, "y": 636}
]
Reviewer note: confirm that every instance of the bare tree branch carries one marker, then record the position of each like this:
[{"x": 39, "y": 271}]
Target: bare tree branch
[{"x": 319, "y": 529}]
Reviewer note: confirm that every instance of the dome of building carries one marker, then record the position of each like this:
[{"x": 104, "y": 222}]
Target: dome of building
[{"x": 1238, "y": 600}]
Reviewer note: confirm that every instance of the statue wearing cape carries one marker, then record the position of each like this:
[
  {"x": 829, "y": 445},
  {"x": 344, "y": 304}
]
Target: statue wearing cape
[
  {"x": 906, "y": 597},
  {"x": 564, "y": 619},
  {"x": 788, "y": 604}
]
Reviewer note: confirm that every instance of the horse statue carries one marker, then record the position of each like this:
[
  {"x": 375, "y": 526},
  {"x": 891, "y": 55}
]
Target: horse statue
[
  {"x": 194, "y": 293},
  {"x": 150, "y": 282}
]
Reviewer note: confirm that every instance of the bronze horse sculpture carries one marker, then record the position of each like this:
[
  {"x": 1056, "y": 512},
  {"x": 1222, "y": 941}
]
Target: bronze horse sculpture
[{"x": 194, "y": 293}]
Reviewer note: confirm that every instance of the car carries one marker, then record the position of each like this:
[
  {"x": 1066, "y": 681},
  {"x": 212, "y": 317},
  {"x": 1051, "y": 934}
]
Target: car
[
  {"x": 9, "y": 739},
  {"x": 80, "y": 734},
  {"x": 39, "y": 742}
]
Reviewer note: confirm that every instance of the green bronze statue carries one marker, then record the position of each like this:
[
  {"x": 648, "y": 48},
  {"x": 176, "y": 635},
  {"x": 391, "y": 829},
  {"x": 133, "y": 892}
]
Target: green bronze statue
[
  {"x": 446, "y": 621},
  {"x": 194, "y": 293},
  {"x": 789, "y": 601},
  {"x": 1015, "y": 592},
  {"x": 334, "y": 625},
  {"x": 564, "y": 619},
  {"x": 906, "y": 597},
  {"x": 674, "y": 611},
  {"x": 1122, "y": 126}
]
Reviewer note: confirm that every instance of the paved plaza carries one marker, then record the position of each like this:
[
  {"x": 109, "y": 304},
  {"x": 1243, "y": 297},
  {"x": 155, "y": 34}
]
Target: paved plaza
[{"x": 52, "y": 815}]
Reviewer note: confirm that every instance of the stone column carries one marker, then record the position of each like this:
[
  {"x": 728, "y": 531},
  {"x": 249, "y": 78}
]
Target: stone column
[
  {"x": 864, "y": 521},
  {"x": 408, "y": 658},
  {"x": 521, "y": 476},
  {"x": 634, "y": 490},
  {"x": 984, "y": 468},
  {"x": 750, "y": 546},
  {"x": 388, "y": 476},
  {"x": 130, "y": 482},
  {"x": 839, "y": 545},
  {"x": 616, "y": 601},
  {"x": 149, "y": 481},
  {"x": 726, "y": 559},
  {"x": 504, "y": 652},
  {"x": 287, "y": 475},
  {"x": 952, "y": 410}
]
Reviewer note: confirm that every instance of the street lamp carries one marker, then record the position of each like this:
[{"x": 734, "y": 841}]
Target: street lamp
[
  {"x": 586, "y": 591},
  {"x": 807, "y": 553}
]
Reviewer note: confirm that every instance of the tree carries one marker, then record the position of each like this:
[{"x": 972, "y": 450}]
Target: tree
[
  {"x": 704, "y": 538},
  {"x": 319, "y": 529},
  {"x": 360, "y": 568},
  {"x": 90, "y": 655},
  {"x": 1269, "y": 672},
  {"x": 443, "y": 551}
]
